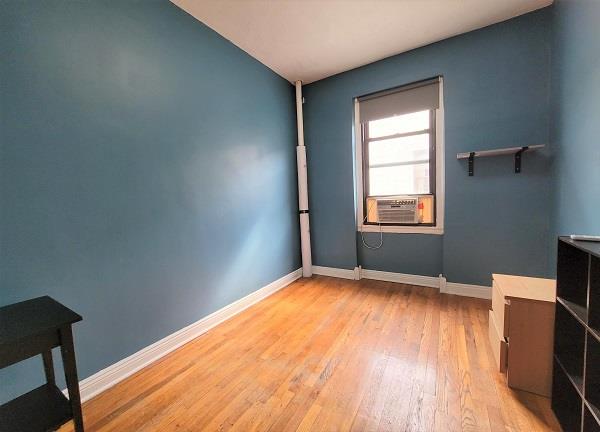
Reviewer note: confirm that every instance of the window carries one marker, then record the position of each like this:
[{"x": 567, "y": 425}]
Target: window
[{"x": 400, "y": 174}]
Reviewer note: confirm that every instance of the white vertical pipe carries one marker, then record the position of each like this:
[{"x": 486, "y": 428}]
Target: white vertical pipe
[{"x": 302, "y": 187}]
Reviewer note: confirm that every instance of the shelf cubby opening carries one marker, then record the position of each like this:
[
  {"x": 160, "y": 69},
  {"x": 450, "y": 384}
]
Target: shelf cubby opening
[
  {"x": 569, "y": 344},
  {"x": 590, "y": 422},
  {"x": 592, "y": 373},
  {"x": 594, "y": 302},
  {"x": 572, "y": 278},
  {"x": 566, "y": 402}
]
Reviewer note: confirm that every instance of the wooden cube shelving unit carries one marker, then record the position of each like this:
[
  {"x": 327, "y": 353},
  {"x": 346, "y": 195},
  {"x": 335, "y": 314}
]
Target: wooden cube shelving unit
[{"x": 576, "y": 370}]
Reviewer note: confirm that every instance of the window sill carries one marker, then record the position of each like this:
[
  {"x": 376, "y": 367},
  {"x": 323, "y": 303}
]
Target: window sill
[{"x": 401, "y": 229}]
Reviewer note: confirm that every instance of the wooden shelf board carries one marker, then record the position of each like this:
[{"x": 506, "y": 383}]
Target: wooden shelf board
[
  {"x": 594, "y": 332},
  {"x": 577, "y": 381},
  {"x": 578, "y": 311},
  {"x": 593, "y": 409},
  {"x": 44, "y": 408},
  {"x": 497, "y": 152},
  {"x": 586, "y": 246}
]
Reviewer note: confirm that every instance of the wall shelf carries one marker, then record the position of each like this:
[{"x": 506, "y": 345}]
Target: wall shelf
[{"x": 516, "y": 151}]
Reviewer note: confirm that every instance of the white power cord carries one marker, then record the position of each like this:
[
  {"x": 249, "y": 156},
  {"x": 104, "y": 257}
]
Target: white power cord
[{"x": 365, "y": 244}]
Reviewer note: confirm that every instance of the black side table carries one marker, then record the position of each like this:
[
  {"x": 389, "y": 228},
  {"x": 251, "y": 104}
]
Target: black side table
[{"x": 30, "y": 328}]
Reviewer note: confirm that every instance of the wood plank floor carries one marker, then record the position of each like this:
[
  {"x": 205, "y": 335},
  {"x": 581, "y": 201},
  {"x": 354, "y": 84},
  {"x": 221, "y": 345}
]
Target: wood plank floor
[{"x": 328, "y": 354}]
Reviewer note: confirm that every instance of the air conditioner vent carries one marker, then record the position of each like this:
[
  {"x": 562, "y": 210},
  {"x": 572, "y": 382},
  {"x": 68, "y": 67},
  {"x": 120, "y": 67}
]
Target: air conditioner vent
[{"x": 398, "y": 209}]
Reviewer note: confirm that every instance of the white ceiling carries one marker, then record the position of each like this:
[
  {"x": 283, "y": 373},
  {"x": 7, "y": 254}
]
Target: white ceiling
[{"x": 313, "y": 39}]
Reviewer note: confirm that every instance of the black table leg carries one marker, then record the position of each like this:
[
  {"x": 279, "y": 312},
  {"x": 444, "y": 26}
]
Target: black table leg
[
  {"x": 48, "y": 366},
  {"x": 68, "y": 357}
]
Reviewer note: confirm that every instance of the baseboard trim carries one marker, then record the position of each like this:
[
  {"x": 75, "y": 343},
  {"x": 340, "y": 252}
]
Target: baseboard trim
[
  {"x": 334, "y": 272},
  {"x": 460, "y": 289},
  {"x": 467, "y": 290},
  {"x": 115, "y": 373},
  {"x": 427, "y": 281}
]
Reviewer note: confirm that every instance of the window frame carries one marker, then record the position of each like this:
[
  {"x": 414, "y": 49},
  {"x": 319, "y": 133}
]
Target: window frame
[
  {"x": 437, "y": 186},
  {"x": 366, "y": 142}
]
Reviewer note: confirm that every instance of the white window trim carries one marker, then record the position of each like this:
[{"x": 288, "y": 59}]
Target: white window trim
[{"x": 440, "y": 182}]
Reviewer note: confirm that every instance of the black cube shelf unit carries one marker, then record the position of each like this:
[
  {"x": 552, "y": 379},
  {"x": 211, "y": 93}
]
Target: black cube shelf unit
[{"x": 576, "y": 374}]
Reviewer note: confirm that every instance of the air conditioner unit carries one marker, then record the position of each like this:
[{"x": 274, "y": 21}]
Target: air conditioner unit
[{"x": 398, "y": 209}]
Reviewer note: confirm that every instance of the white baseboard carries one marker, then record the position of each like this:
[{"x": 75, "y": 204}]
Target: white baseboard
[
  {"x": 334, "y": 272},
  {"x": 477, "y": 291},
  {"x": 428, "y": 281},
  {"x": 466, "y": 290},
  {"x": 117, "y": 372}
]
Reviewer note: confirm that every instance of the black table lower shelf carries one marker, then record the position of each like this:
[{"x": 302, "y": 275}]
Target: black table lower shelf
[{"x": 44, "y": 409}]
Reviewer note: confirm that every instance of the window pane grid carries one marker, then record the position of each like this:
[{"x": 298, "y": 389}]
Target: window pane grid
[
  {"x": 411, "y": 162},
  {"x": 399, "y": 151},
  {"x": 399, "y": 124},
  {"x": 402, "y": 180},
  {"x": 399, "y": 157},
  {"x": 402, "y": 135}
]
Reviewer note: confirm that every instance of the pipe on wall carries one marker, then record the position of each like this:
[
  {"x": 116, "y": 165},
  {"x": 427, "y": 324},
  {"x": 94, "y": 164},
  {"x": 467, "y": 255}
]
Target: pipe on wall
[{"x": 302, "y": 187}]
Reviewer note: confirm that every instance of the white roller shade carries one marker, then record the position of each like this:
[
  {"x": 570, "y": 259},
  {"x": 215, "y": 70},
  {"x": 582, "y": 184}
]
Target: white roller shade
[{"x": 421, "y": 96}]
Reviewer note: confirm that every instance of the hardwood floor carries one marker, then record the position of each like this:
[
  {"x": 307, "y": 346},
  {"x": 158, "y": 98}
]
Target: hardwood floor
[{"x": 328, "y": 354}]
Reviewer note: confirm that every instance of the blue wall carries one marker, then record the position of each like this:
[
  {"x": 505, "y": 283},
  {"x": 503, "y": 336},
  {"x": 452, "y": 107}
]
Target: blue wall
[
  {"x": 148, "y": 172},
  {"x": 575, "y": 130},
  {"x": 496, "y": 95}
]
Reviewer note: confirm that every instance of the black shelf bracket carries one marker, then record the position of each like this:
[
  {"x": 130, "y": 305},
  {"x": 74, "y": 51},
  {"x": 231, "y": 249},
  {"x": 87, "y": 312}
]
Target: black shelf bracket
[
  {"x": 471, "y": 163},
  {"x": 518, "y": 159}
]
